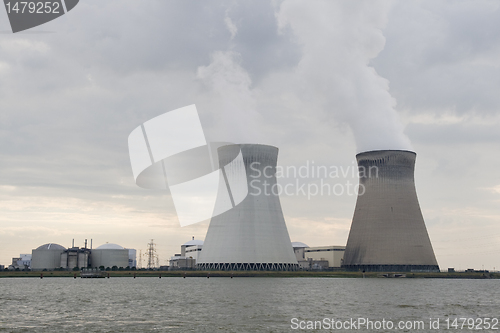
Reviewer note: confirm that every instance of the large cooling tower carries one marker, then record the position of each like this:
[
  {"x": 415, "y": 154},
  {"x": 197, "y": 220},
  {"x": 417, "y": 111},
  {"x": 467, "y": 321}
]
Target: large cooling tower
[
  {"x": 388, "y": 231},
  {"x": 253, "y": 234}
]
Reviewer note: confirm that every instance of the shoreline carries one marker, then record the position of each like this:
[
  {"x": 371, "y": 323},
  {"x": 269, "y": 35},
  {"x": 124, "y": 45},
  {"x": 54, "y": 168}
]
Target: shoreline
[{"x": 235, "y": 274}]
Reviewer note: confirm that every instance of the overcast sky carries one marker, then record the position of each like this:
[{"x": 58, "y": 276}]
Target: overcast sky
[{"x": 320, "y": 80}]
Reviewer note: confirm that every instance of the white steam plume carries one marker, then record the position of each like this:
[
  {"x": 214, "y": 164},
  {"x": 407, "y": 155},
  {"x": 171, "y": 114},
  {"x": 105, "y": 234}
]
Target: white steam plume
[
  {"x": 233, "y": 29},
  {"x": 338, "y": 39},
  {"x": 231, "y": 98}
]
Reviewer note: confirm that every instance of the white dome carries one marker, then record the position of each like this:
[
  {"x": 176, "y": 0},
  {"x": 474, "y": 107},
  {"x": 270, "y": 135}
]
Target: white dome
[
  {"x": 296, "y": 245},
  {"x": 110, "y": 246},
  {"x": 193, "y": 242},
  {"x": 51, "y": 246}
]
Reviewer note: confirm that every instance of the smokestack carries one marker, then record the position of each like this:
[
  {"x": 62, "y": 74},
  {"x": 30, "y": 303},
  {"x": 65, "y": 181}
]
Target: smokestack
[
  {"x": 73, "y": 243},
  {"x": 91, "y": 243},
  {"x": 253, "y": 234},
  {"x": 85, "y": 243},
  {"x": 388, "y": 231}
]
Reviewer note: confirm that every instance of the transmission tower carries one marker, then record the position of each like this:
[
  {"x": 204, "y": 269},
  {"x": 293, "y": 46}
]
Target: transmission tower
[{"x": 152, "y": 257}]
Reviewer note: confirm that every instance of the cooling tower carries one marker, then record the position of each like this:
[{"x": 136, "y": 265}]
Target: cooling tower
[
  {"x": 253, "y": 234},
  {"x": 388, "y": 231}
]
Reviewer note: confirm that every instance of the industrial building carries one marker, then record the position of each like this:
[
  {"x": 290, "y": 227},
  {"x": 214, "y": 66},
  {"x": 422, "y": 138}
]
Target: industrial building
[
  {"x": 23, "y": 262},
  {"x": 132, "y": 258},
  {"x": 179, "y": 262},
  {"x": 188, "y": 257},
  {"x": 54, "y": 256},
  {"x": 253, "y": 234},
  {"x": 75, "y": 257},
  {"x": 334, "y": 255},
  {"x": 318, "y": 258},
  {"x": 299, "y": 250},
  {"x": 388, "y": 232},
  {"x": 192, "y": 248}
]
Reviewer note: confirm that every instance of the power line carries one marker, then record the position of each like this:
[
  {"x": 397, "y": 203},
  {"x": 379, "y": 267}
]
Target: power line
[{"x": 152, "y": 256}]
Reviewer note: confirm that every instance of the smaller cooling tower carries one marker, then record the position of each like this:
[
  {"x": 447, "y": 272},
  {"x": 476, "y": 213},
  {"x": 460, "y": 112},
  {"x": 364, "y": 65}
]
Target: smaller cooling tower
[
  {"x": 253, "y": 234},
  {"x": 388, "y": 231}
]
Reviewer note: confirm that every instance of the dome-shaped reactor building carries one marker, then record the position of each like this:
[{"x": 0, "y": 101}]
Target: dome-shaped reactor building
[
  {"x": 109, "y": 255},
  {"x": 388, "y": 232},
  {"x": 253, "y": 234},
  {"x": 47, "y": 256}
]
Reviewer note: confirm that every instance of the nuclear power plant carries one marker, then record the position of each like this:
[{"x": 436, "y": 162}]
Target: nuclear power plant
[
  {"x": 253, "y": 234},
  {"x": 388, "y": 232},
  {"x": 52, "y": 256}
]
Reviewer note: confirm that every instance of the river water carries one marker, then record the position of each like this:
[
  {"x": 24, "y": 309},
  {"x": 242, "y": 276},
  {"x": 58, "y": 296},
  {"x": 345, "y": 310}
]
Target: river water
[{"x": 147, "y": 304}]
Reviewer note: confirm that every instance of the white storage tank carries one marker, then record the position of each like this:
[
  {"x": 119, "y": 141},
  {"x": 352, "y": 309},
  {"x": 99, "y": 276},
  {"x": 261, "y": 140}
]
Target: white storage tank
[{"x": 109, "y": 255}]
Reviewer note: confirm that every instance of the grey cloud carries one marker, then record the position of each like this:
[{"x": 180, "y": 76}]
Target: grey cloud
[
  {"x": 460, "y": 134},
  {"x": 263, "y": 49},
  {"x": 443, "y": 57}
]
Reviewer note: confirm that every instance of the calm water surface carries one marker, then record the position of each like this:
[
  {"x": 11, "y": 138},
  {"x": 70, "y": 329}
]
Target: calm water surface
[{"x": 235, "y": 305}]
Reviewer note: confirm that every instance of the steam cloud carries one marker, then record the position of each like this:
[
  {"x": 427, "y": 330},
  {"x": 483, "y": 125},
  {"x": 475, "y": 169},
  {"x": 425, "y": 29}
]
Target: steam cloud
[
  {"x": 234, "y": 100},
  {"x": 338, "y": 40}
]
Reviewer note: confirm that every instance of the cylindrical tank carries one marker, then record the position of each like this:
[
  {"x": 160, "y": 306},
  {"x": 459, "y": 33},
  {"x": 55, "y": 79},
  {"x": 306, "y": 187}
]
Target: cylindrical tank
[
  {"x": 109, "y": 255},
  {"x": 253, "y": 234},
  {"x": 47, "y": 256},
  {"x": 388, "y": 232}
]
